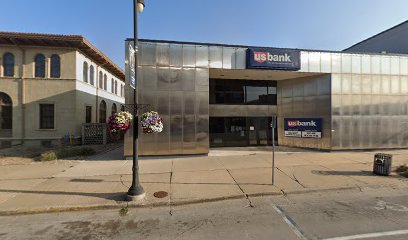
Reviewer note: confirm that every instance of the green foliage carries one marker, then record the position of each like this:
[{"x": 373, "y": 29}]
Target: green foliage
[
  {"x": 402, "y": 168},
  {"x": 66, "y": 153},
  {"x": 123, "y": 211},
  {"x": 48, "y": 156}
]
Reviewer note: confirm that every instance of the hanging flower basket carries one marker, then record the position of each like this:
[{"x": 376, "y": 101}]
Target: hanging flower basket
[
  {"x": 151, "y": 122},
  {"x": 119, "y": 122}
]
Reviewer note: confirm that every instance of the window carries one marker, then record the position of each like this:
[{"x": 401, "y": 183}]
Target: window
[
  {"x": 8, "y": 65},
  {"x": 105, "y": 82},
  {"x": 6, "y": 112},
  {"x": 91, "y": 75},
  {"x": 102, "y": 112},
  {"x": 242, "y": 92},
  {"x": 55, "y": 66},
  {"x": 112, "y": 86},
  {"x": 85, "y": 72},
  {"x": 100, "y": 79},
  {"x": 122, "y": 108},
  {"x": 88, "y": 114},
  {"x": 116, "y": 87},
  {"x": 114, "y": 109},
  {"x": 40, "y": 66},
  {"x": 121, "y": 90},
  {"x": 47, "y": 116}
]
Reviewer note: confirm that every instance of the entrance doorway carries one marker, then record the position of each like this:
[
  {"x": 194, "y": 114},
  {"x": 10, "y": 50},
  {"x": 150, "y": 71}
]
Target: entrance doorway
[
  {"x": 241, "y": 131},
  {"x": 6, "y": 115}
]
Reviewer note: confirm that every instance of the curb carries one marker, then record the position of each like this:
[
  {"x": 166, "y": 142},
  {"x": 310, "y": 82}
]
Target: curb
[{"x": 130, "y": 205}]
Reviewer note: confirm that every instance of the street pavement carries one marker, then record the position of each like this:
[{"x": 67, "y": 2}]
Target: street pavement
[
  {"x": 103, "y": 180},
  {"x": 380, "y": 214}
]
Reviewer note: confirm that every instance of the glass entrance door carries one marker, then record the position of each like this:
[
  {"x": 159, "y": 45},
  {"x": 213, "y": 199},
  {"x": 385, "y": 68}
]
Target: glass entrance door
[{"x": 258, "y": 131}]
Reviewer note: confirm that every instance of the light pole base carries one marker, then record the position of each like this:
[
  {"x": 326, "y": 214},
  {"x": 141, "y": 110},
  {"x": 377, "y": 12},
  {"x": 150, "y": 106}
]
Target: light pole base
[
  {"x": 133, "y": 198},
  {"x": 135, "y": 194}
]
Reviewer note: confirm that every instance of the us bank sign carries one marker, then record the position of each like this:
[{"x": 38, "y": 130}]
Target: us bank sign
[
  {"x": 273, "y": 58},
  {"x": 303, "y": 127}
]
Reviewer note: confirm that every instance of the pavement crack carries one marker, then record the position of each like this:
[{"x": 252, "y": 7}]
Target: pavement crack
[
  {"x": 297, "y": 180},
  {"x": 242, "y": 190},
  {"x": 293, "y": 177}
]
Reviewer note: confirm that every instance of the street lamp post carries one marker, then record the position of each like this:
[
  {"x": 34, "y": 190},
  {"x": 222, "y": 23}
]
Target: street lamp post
[{"x": 136, "y": 191}]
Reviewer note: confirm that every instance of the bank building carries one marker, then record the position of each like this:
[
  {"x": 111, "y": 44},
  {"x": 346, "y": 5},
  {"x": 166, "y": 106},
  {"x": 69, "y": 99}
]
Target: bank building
[{"x": 221, "y": 95}]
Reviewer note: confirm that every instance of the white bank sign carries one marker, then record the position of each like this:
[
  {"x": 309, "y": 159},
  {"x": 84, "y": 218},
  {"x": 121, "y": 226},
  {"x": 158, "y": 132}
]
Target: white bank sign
[{"x": 303, "y": 127}]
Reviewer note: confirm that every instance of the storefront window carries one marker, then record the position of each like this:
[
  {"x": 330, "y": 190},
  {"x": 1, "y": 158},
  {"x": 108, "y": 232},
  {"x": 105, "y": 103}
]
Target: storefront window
[{"x": 240, "y": 92}]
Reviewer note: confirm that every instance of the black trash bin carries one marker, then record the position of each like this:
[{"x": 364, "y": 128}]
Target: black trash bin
[{"x": 382, "y": 164}]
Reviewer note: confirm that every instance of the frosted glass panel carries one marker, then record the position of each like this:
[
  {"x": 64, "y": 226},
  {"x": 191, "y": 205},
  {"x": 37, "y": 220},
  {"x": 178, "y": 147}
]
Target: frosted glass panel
[
  {"x": 366, "y": 64},
  {"x": 385, "y": 65},
  {"x": 314, "y": 62},
  {"x": 356, "y": 64},
  {"x": 336, "y": 63},
  {"x": 346, "y": 63}
]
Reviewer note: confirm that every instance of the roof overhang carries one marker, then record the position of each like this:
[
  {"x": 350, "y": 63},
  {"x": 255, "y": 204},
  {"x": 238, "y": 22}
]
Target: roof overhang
[{"x": 68, "y": 41}]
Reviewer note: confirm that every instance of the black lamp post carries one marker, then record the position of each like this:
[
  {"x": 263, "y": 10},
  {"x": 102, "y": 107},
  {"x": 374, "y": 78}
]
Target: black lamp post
[{"x": 135, "y": 191}]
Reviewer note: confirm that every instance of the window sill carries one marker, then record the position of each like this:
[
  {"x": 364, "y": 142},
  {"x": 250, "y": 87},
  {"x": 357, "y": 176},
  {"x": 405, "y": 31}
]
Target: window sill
[{"x": 47, "y": 130}]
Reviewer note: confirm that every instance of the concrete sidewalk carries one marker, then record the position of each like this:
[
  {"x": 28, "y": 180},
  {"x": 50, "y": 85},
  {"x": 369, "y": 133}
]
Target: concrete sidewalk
[{"x": 101, "y": 182}]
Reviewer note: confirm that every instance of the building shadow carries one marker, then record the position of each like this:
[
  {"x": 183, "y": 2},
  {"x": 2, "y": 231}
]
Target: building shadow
[
  {"x": 116, "y": 196},
  {"x": 344, "y": 173}
]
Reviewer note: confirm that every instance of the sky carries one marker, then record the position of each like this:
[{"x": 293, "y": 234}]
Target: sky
[{"x": 306, "y": 24}]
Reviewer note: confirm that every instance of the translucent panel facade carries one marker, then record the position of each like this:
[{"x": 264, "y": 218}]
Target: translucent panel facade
[
  {"x": 362, "y": 98},
  {"x": 173, "y": 79}
]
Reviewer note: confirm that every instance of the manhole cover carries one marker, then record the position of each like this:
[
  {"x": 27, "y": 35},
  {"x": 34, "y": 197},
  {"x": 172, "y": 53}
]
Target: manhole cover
[{"x": 161, "y": 194}]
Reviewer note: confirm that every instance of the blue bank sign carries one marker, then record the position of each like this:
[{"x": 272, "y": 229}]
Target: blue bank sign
[
  {"x": 272, "y": 58},
  {"x": 303, "y": 127}
]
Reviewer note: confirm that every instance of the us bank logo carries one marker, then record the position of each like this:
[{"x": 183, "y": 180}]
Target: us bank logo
[
  {"x": 271, "y": 58},
  {"x": 266, "y": 56},
  {"x": 297, "y": 123}
]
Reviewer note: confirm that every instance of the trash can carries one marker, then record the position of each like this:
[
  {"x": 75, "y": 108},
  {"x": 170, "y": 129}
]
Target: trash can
[{"x": 382, "y": 164}]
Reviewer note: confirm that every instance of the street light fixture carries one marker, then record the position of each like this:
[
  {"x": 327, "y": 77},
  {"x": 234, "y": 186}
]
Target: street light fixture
[{"x": 136, "y": 191}]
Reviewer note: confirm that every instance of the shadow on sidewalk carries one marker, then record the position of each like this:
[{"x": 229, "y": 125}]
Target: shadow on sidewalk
[
  {"x": 118, "y": 196},
  {"x": 344, "y": 173}
]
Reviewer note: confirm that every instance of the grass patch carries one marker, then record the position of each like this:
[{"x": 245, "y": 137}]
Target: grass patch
[
  {"x": 402, "y": 168},
  {"x": 66, "y": 153},
  {"x": 48, "y": 156}
]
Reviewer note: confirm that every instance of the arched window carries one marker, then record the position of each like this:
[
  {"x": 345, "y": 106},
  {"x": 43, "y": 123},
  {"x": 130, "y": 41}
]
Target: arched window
[
  {"x": 122, "y": 108},
  {"x": 114, "y": 108},
  {"x": 6, "y": 112},
  {"x": 8, "y": 64},
  {"x": 85, "y": 72},
  {"x": 100, "y": 79},
  {"x": 102, "y": 112},
  {"x": 105, "y": 82},
  {"x": 116, "y": 87},
  {"x": 91, "y": 75},
  {"x": 40, "y": 66},
  {"x": 112, "y": 86},
  {"x": 55, "y": 66}
]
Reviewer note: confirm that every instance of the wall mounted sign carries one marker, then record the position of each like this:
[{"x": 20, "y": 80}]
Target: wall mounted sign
[
  {"x": 303, "y": 127},
  {"x": 272, "y": 58}
]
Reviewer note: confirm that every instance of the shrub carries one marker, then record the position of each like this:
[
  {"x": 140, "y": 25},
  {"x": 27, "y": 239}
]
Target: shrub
[
  {"x": 66, "y": 153},
  {"x": 402, "y": 168},
  {"x": 48, "y": 156}
]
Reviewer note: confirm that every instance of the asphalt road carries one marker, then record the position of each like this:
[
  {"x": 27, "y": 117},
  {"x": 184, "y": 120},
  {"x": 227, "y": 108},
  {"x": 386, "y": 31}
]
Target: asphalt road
[{"x": 345, "y": 215}]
